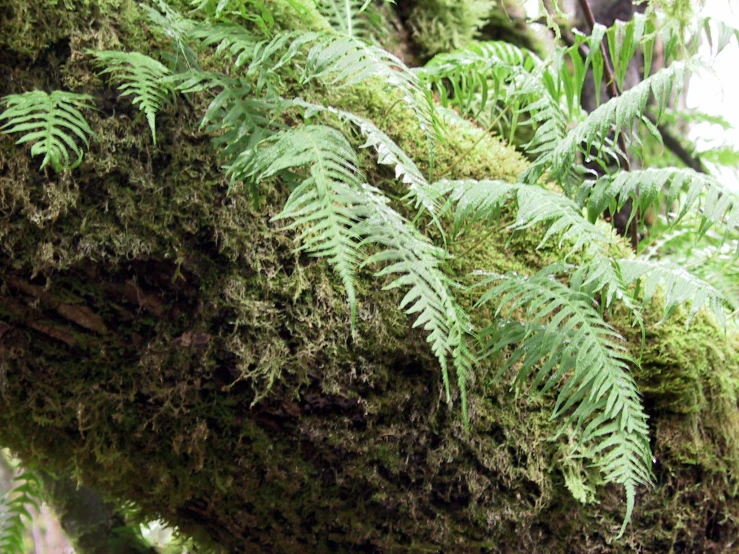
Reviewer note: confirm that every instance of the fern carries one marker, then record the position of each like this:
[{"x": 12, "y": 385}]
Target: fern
[
  {"x": 566, "y": 336},
  {"x": 388, "y": 153},
  {"x": 325, "y": 202},
  {"x": 618, "y": 113},
  {"x": 52, "y": 123},
  {"x": 348, "y": 61},
  {"x": 679, "y": 286},
  {"x": 353, "y": 18},
  {"x": 476, "y": 200},
  {"x": 716, "y": 203},
  {"x": 483, "y": 76},
  {"x": 339, "y": 214},
  {"x": 139, "y": 76},
  {"x": 25, "y": 493}
]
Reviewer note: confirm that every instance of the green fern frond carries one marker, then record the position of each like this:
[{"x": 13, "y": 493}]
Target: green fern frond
[
  {"x": 177, "y": 28},
  {"x": 576, "y": 351},
  {"x": 339, "y": 214},
  {"x": 51, "y": 123},
  {"x": 325, "y": 204},
  {"x": 260, "y": 58},
  {"x": 695, "y": 191},
  {"x": 615, "y": 115},
  {"x": 491, "y": 76},
  {"x": 415, "y": 264},
  {"x": 353, "y": 18},
  {"x": 475, "y": 200},
  {"x": 388, "y": 153},
  {"x": 348, "y": 61},
  {"x": 239, "y": 118},
  {"x": 139, "y": 76},
  {"x": 15, "y": 516},
  {"x": 679, "y": 286}
]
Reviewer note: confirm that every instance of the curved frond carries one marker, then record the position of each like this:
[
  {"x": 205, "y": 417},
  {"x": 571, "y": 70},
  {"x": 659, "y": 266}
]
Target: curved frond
[
  {"x": 388, "y": 153},
  {"x": 415, "y": 263},
  {"x": 52, "y": 123},
  {"x": 494, "y": 76},
  {"x": 347, "y": 61},
  {"x": 590, "y": 136},
  {"x": 325, "y": 204},
  {"x": 698, "y": 192},
  {"x": 575, "y": 351},
  {"x": 139, "y": 76},
  {"x": 15, "y": 516},
  {"x": 475, "y": 200}
]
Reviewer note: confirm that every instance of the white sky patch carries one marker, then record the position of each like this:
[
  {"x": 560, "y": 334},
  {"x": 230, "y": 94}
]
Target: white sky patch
[{"x": 717, "y": 93}]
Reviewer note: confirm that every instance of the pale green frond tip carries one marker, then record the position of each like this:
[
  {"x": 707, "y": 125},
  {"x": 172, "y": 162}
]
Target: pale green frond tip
[
  {"x": 139, "y": 76},
  {"x": 16, "y": 517},
  {"x": 51, "y": 123}
]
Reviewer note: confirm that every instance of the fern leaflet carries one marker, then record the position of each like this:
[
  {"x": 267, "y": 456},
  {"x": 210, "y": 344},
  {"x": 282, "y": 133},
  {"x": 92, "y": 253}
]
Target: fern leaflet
[
  {"x": 25, "y": 493},
  {"x": 696, "y": 191},
  {"x": 567, "y": 338},
  {"x": 51, "y": 122},
  {"x": 139, "y": 76}
]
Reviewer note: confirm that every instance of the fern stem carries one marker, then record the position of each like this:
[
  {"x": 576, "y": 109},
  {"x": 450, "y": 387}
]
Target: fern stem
[
  {"x": 464, "y": 154},
  {"x": 387, "y": 113}
]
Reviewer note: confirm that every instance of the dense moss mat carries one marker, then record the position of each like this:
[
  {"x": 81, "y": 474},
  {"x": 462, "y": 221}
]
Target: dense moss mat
[{"x": 163, "y": 342}]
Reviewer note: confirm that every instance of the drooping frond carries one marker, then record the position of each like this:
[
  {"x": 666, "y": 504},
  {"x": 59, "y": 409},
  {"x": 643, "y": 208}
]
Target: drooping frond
[
  {"x": 177, "y": 28},
  {"x": 679, "y": 286},
  {"x": 238, "y": 118},
  {"x": 415, "y": 264},
  {"x": 698, "y": 192},
  {"x": 325, "y": 204},
  {"x": 258, "y": 58},
  {"x": 575, "y": 351},
  {"x": 338, "y": 214},
  {"x": 139, "y": 76},
  {"x": 614, "y": 116},
  {"x": 15, "y": 516},
  {"x": 50, "y": 122},
  {"x": 388, "y": 153},
  {"x": 353, "y": 18}
]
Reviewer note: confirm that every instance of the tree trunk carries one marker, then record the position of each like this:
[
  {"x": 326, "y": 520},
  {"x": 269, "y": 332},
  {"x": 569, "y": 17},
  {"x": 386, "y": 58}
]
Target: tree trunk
[{"x": 165, "y": 340}]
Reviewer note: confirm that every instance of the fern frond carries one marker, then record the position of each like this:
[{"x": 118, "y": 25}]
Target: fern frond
[
  {"x": 238, "y": 117},
  {"x": 353, "y": 18},
  {"x": 177, "y": 28},
  {"x": 325, "y": 204},
  {"x": 388, "y": 153},
  {"x": 475, "y": 200},
  {"x": 50, "y": 122},
  {"x": 139, "y": 76},
  {"x": 15, "y": 516},
  {"x": 339, "y": 214},
  {"x": 415, "y": 264},
  {"x": 491, "y": 76},
  {"x": 573, "y": 348},
  {"x": 348, "y": 61},
  {"x": 679, "y": 286},
  {"x": 615, "y": 115},
  {"x": 695, "y": 191}
]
